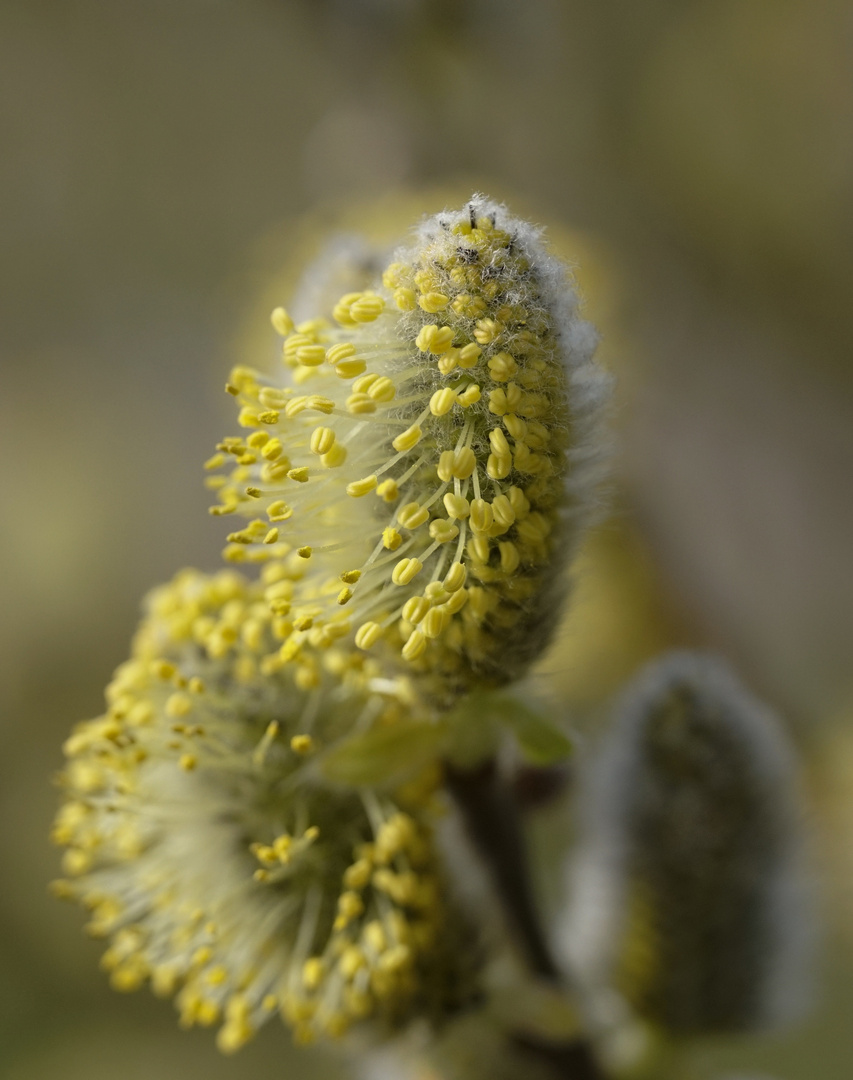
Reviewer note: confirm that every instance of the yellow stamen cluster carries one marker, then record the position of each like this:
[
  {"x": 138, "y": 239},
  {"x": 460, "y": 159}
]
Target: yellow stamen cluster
[
  {"x": 429, "y": 453},
  {"x": 199, "y": 839}
]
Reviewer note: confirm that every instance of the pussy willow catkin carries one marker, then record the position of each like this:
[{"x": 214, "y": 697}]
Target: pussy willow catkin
[
  {"x": 425, "y": 465},
  {"x": 690, "y": 896},
  {"x": 218, "y": 869}
]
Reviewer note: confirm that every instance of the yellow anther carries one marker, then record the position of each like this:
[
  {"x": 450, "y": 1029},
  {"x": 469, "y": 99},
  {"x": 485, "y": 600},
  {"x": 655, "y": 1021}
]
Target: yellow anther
[
  {"x": 456, "y": 601},
  {"x": 344, "y": 350},
  {"x": 279, "y": 511},
  {"x": 525, "y": 460},
  {"x": 271, "y": 397},
  {"x": 470, "y": 396},
  {"x": 345, "y": 595},
  {"x": 443, "y": 531},
  {"x": 510, "y": 557},
  {"x": 295, "y": 342},
  {"x": 487, "y": 330},
  {"x": 282, "y": 322},
  {"x": 448, "y": 361},
  {"x": 311, "y": 355},
  {"x": 502, "y": 401},
  {"x": 350, "y": 577},
  {"x": 215, "y": 462},
  {"x": 538, "y": 435},
  {"x": 274, "y": 471},
  {"x": 322, "y": 440},
  {"x": 435, "y": 623},
  {"x": 405, "y": 299},
  {"x": 534, "y": 528},
  {"x": 300, "y": 475},
  {"x": 515, "y": 426},
  {"x": 312, "y": 326},
  {"x": 269, "y": 416},
  {"x": 435, "y": 593},
  {"x": 178, "y": 705},
  {"x": 415, "y": 646},
  {"x": 196, "y": 685},
  {"x": 456, "y": 506},
  {"x": 374, "y": 937},
  {"x": 320, "y": 404},
  {"x": 341, "y": 314},
  {"x": 302, "y": 744},
  {"x": 434, "y": 339},
  {"x": 297, "y": 405},
  {"x": 348, "y": 369},
  {"x": 361, "y": 487},
  {"x": 351, "y": 962},
  {"x": 519, "y": 502},
  {"x": 456, "y": 463},
  {"x": 367, "y": 308},
  {"x": 163, "y": 669},
  {"x": 357, "y": 876},
  {"x": 362, "y": 385},
  {"x": 455, "y": 577},
  {"x": 426, "y": 279},
  {"x": 406, "y": 570},
  {"x": 502, "y": 367},
  {"x": 415, "y": 609},
  {"x": 393, "y": 274},
  {"x": 388, "y": 490},
  {"x": 383, "y": 390},
  {"x": 433, "y": 302},
  {"x": 272, "y": 449},
  {"x": 253, "y": 492},
  {"x": 271, "y": 537},
  {"x": 313, "y": 971},
  {"x": 503, "y": 511},
  {"x": 469, "y": 355},
  {"x": 391, "y": 538},
  {"x": 498, "y": 442},
  {"x": 188, "y": 762},
  {"x": 247, "y": 418},
  {"x": 442, "y": 401},
  {"x": 498, "y": 468},
  {"x": 412, "y": 515},
  {"x": 481, "y": 516},
  {"x": 350, "y": 906},
  {"x": 479, "y": 548},
  {"x": 305, "y": 552},
  {"x": 408, "y": 439},
  {"x": 368, "y": 634},
  {"x": 360, "y": 404},
  {"x": 481, "y": 602},
  {"x": 335, "y": 457}
]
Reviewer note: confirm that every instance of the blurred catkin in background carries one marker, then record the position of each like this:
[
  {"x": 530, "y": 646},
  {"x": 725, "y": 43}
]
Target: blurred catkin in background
[{"x": 156, "y": 159}]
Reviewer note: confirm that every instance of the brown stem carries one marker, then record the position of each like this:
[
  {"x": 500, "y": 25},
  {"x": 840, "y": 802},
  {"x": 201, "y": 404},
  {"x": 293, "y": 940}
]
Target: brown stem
[
  {"x": 493, "y": 825},
  {"x": 492, "y": 821}
]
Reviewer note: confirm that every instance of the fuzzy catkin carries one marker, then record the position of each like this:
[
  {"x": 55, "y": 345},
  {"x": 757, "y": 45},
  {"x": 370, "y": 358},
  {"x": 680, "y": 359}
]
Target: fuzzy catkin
[
  {"x": 431, "y": 457},
  {"x": 216, "y": 864},
  {"x": 688, "y": 893}
]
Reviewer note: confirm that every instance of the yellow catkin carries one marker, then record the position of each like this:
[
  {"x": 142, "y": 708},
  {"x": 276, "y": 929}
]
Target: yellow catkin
[
  {"x": 460, "y": 389},
  {"x": 163, "y": 790}
]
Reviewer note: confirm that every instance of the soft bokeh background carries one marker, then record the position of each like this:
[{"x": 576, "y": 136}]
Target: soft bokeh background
[{"x": 155, "y": 157}]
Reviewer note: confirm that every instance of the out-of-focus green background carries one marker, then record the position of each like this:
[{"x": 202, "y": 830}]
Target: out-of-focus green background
[{"x": 154, "y": 155}]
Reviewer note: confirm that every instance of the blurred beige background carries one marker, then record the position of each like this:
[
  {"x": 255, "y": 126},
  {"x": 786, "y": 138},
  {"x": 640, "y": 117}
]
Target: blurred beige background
[{"x": 155, "y": 157}]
